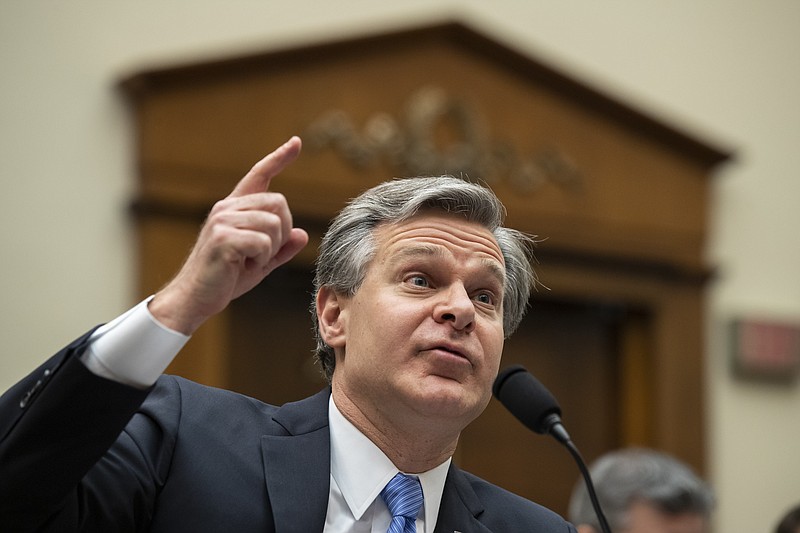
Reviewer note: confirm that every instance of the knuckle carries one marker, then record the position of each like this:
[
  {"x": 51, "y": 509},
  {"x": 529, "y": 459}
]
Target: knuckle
[{"x": 219, "y": 206}]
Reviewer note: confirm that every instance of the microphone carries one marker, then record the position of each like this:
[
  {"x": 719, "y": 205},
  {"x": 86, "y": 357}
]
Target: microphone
[
  {"x": 533, "y": 405},
  {"x": 530, "y": 401}
]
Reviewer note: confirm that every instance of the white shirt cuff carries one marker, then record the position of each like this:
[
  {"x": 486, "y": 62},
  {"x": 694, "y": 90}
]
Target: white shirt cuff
[{"x": 134, "y": 348}]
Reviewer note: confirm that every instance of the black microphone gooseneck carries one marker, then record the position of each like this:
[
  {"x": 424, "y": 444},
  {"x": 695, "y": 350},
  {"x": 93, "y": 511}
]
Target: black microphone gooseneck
[{"x": 533, "y": 405}]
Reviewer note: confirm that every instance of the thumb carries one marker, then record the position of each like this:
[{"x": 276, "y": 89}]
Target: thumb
[{"x": 260, "y": 176}]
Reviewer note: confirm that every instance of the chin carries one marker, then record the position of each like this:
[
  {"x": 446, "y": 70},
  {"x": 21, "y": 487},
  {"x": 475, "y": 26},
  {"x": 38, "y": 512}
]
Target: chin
[{"x": 452, "y": 403}]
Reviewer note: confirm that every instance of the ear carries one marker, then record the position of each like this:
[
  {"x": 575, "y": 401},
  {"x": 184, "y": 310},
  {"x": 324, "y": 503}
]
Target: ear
[{"x": 330, "y": 317}]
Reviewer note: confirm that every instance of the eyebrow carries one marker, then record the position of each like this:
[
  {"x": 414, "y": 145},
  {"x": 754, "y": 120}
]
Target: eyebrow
[{"x": 417, "y": 250}]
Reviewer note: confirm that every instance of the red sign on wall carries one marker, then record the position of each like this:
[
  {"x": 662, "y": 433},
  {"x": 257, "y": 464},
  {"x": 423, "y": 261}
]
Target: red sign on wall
[{"x": 766, "y": 349}]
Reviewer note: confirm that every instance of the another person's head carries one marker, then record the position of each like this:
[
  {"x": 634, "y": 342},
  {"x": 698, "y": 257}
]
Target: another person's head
[
  {"x": 790, "y": 522},
  {"x": 436, "y": 230},
  {"x": 643, "y": 491}
]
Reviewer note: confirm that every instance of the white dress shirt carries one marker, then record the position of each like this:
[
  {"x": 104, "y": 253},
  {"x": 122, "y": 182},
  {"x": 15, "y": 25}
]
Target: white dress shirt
[
  {"x": 359, "y": 471},
  {"x": 135, "y": 349}
]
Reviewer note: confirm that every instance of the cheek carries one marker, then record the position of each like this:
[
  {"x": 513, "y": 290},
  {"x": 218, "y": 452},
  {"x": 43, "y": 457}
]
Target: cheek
[
  {"x": 493, "y": 346},
  {"x": 379, "y": 322}
]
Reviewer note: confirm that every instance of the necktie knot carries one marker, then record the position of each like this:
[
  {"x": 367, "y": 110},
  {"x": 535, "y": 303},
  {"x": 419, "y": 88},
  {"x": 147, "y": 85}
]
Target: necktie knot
[{"x": 403, "y": 497}]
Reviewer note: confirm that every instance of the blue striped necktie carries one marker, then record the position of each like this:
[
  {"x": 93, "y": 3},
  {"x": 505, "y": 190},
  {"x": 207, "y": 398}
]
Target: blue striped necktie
[{"x": 403, "y": 497}]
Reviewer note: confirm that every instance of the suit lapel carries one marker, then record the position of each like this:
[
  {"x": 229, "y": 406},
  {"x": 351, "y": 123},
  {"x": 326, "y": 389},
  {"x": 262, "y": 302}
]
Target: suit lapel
[
  {"x": 297, "y": 471},
  {"x": 460, "y": 507},
  {"x": 297, "y": 465}
]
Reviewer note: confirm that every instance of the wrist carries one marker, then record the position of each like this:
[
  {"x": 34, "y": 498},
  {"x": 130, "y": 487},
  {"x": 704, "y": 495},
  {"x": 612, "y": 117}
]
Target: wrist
[{"x": 174, "y": 313}]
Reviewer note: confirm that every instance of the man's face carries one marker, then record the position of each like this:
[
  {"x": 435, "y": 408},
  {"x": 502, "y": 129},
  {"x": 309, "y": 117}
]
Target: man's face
[
  {"x": 422, "y": 337},
  {"x": 644, "y": 518}
]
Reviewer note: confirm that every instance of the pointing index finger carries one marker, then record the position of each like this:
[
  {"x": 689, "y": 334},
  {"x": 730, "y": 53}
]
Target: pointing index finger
[{"x": 260, "y": 176}]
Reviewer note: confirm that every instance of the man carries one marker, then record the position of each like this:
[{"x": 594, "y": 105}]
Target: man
[
  {"x": 643, "y": 491},
  {"x": 417, "y": 285}
]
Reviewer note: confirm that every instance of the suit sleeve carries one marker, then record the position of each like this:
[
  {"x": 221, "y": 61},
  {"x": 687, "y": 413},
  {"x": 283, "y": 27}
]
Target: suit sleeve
[{"x": 56, "y": 425}]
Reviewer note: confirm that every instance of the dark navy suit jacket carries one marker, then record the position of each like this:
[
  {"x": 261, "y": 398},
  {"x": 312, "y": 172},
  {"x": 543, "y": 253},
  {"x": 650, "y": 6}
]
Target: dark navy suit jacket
[{"x": 82, "y": 453}]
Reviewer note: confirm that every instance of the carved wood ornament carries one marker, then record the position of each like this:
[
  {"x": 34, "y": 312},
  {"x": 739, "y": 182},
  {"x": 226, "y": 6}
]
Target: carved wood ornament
[{"x": 408, "y": 144}]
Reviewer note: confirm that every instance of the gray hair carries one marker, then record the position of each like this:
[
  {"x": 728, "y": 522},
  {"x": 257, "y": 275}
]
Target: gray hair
[
  {"x": 349, "y": 244},
  {"x": 637, "y": 474}
]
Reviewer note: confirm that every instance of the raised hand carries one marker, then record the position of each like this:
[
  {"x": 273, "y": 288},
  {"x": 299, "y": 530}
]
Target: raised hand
[{"x": 245, "y": 237}]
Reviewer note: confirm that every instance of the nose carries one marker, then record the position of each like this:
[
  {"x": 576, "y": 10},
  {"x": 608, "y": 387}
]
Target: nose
[{"x": 457, "y": 308}]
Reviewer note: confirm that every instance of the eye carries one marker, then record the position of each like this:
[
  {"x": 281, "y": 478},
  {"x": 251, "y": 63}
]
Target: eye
[
  {"x": 418, "y": 281},
  {"x": 485, "y": 298}
]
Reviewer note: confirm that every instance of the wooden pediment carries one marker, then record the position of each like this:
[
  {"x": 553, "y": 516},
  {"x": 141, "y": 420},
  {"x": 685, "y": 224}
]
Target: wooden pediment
[{"x": 591, "y": 175}]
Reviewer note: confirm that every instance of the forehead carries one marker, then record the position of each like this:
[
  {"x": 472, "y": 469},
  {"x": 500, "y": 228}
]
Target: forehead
[
  {"x": 435, "y": 232},
  {"x": 646, "y": 518}
]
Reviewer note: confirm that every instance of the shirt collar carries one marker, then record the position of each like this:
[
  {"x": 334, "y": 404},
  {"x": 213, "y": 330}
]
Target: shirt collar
[{"x": 361, "y": 469}]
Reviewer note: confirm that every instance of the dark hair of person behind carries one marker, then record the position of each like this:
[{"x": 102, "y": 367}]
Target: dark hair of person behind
[{"x": 790, "y": 523}]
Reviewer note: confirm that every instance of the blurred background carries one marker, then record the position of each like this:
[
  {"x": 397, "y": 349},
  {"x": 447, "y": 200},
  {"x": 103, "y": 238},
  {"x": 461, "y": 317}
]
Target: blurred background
[{"x": 725, "y": 72}]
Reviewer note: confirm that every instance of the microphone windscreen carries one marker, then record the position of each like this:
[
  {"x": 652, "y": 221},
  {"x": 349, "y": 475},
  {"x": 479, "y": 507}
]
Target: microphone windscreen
[{"x": 526, "y": 398}]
